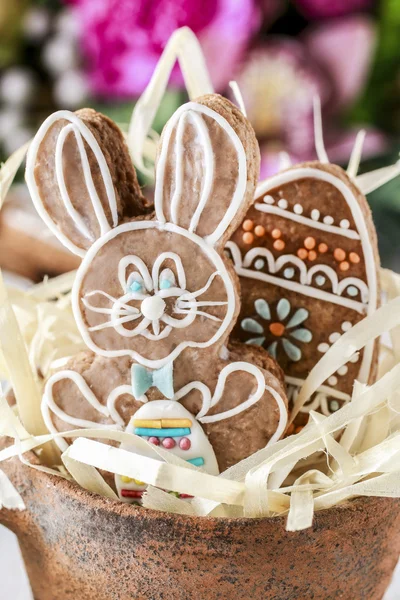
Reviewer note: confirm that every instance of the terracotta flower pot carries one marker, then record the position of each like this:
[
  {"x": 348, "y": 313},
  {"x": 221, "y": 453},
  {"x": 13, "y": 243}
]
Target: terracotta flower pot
[{"x": 78, "y": 545}]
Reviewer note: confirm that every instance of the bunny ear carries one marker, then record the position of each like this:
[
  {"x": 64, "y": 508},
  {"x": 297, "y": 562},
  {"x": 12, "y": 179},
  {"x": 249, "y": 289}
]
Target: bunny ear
[
  {"x": 81, "y": 178},
  {"x": 207, "y": 169}
]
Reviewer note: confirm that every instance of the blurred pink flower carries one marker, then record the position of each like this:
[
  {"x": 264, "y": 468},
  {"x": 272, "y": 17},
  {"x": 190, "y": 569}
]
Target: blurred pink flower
[
  {"x": 319, "y": 9},
  {"x": 280, "y": 78},
  {"x": 123, "y": 39},
  {"x": 344, "y": 49}
]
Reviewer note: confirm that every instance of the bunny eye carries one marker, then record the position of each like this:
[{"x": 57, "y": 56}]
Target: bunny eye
[
  {"x": 167, "y": 279},
  {"x": 135, "y": 283}
]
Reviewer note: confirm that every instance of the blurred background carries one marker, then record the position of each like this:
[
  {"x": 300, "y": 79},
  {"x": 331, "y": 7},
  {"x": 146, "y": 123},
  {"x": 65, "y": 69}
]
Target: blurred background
[{"x": 68, "y": 54}]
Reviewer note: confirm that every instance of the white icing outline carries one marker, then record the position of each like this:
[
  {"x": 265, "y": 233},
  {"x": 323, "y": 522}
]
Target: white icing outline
[
  {"x": 292, "y": 216},
  {"x": 304, "y": 286},
  {"x": 80, "y": 130},
  {"x": 210, "y": 253},
  {"x": 239, "y": 192},
  {"x": 48, "y": 404}
]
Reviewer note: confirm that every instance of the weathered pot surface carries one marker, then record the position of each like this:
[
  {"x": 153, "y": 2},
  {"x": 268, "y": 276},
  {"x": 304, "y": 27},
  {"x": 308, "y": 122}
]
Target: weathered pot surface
[{"x": 80, "y": 546}]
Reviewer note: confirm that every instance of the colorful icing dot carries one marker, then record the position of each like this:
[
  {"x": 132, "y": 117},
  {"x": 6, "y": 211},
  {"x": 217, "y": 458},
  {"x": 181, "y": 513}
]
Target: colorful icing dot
[
  {"x": 283, "y": 203},
  {"x": 343, "y": 370},
  {"x": 283, "y": 308},
  {"x": 135, "y": 286},
  {"x": 309, "y": 243},
  {"x": 251, "y": 325},
  {"x": 332, "y": 380},
  {"x": 344, "y": 266},
  {"x": 269, "y": 200},
  {"x": 334, "y": 337},
  {"x": 346, "y": 325},
  {"x": 344, "y": 224},
  {"x": 302, "y": 334},
  {"x": 288, "y": 273},
  {"x": 312, "y": 255},
  {"x": 185, "y": 444},
  {"x": 169, "y": 443},
  {"x": 323, "y": 248},
  {"x": 292, "y": 351},
  {"x": 339, "y": 254},
  {"x": 279, "y": 245},
  {"x": 323, "y": 348},
  {"x": 277, "y": 329},
  {"x": 352, "y": 290},
  {"x": 315, "y": 214},
  {"x": 298, "y": 209},
  {"x": 354, "y": 258},
  {"x": 262, "y": 309},
  {"x": 126, "y": 479},
  {"x": 248, "y": 225},
  {"x": 328, "y": 220},
  {"x": 248, "y": 237},
  {"x": 154, "y": 440},
  {"x": 276, "y": 233},
  {"x": 334, "y": 405},
  {"x": 165, "y": 284},
  {"x": 259, "y": 264},
  {"x": 320, "y": 280},
  {"x": 259, "y": 230},
  {"x": 302, "y": 253}
]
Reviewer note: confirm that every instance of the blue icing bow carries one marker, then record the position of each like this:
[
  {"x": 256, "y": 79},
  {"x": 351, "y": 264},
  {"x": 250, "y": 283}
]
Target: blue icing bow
[{"x": 143, "y": 380}]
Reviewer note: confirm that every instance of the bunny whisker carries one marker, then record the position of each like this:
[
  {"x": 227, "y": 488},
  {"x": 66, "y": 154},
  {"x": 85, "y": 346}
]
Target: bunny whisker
[
  {"x": 111, "y": 298},
  {"x": 115, "y": 322},
  {"x": 190, "y": 304},
  {"x": 108, "y": 311},
  {"x": 191, "y": 295},
  {"x": 198, "y": 313}
]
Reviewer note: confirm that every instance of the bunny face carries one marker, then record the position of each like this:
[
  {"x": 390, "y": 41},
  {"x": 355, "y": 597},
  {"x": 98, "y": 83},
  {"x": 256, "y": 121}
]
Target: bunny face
[
  {"x": 147, "y": 289},
  {"x": 131, "y": 294}
]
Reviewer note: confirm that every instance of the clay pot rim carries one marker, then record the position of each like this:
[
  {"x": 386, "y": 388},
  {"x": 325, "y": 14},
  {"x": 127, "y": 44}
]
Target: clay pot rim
[{"x": 125, "y": 510}]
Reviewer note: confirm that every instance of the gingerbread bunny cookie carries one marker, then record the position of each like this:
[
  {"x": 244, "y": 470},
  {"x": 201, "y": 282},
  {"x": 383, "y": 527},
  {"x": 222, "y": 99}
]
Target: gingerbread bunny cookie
[
  {"x": 155, "y": 298},
  {"x": 307, "y": 256}
]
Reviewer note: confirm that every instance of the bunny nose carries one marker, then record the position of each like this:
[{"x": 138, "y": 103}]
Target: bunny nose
[{"x": 152, "y": 307}]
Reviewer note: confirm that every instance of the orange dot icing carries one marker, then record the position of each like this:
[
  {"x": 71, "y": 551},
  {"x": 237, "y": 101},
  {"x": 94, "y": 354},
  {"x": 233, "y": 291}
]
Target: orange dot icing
[
  {"x": 309, "y": 243},
  {"x": 302, "y": 253},
  {"x": 354, "y": 258},
  {"x": 248, "y": 225},
  {"x": 279, "y": 244},
  {"x": 277, "y": 329},
  {"x": 248, "y": 238},
  {"x": 323, "y": 248},
  {"x": 259, "y": 230},
  {"x": 339, "y": 254},
  {"x": 312, "y": 255},
  {"x": 344, "y": 266},
  {"x": 276, "y": 233}
]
